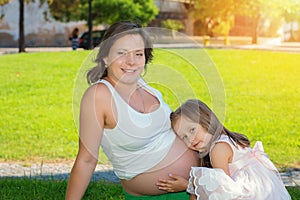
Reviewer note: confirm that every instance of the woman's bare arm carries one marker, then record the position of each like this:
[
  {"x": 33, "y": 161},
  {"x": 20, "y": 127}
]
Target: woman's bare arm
[
  {"x": 90, "y": 134},
  {"x": 81, "y": 173}
]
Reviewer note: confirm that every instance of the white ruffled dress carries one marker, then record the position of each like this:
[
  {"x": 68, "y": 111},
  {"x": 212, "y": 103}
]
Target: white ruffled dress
[{"x": 252, "y": 176}]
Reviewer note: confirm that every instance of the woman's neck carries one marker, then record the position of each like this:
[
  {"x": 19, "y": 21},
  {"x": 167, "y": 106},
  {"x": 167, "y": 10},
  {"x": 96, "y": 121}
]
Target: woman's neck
[{"x": 124, "y": 89}]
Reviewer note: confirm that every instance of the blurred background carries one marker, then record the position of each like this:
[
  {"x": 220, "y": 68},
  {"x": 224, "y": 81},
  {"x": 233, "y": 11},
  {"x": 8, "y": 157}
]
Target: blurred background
[{"x": 49, "y": 23}]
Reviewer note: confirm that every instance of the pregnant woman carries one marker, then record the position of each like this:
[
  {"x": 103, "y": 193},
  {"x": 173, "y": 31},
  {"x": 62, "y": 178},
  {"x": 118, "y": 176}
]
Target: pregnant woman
[{"x": 130, "y": 121}]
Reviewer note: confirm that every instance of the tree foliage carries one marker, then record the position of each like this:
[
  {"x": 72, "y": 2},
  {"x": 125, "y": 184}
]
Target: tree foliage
[
  {"x": 3, "y": 2},
  {"x": 258, "y": 8},
  {"x": 290, "y": 10},
  {"x": 216, "y": 16},
  {"x": 260, "y": 11},
  {"x": 112, "y": 11},
  {"x": 104, "y": 11},
  {"x": 174, "y": 25},
  {"x": 66, "y": 10}
]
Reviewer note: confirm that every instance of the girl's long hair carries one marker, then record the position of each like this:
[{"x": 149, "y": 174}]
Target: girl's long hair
[
  {"x": 113, "y": 33},
  {"x": 199, "y": 112}
]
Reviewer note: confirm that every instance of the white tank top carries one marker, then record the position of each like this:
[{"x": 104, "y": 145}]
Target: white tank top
[{"x": 140, "y": 140}]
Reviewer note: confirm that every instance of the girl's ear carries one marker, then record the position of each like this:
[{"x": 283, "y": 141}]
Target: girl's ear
[{"x": 105, "y": 61}]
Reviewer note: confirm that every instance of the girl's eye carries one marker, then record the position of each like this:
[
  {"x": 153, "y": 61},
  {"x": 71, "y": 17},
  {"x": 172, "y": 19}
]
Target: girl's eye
[
  {"x": 184, "y": 137},
  {"x": 192, "y": 130},
  {"x": 139, "y": 54}
]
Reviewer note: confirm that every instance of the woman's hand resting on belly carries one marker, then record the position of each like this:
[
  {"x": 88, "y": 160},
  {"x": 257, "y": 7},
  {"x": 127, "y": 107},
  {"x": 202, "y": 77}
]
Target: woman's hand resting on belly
[{"x": 179, "y": 161}]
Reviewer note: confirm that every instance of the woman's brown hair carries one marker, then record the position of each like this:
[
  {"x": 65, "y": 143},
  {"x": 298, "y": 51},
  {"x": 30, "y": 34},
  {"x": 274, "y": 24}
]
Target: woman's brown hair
[{"x": 113, "y": 33}]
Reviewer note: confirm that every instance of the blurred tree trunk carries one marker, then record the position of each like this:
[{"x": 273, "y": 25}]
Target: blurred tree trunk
[
  {"x": 189, "y": 24},
  {"x": 21, "y": 28},
  {"x": 255, "y": 30},
  {"x": 292, "y": 37},
  {"x": 90, "y": 24}
]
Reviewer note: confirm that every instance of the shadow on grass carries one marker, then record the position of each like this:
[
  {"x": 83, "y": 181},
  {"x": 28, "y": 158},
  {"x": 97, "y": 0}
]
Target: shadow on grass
[{"x": 104, "y": 185}]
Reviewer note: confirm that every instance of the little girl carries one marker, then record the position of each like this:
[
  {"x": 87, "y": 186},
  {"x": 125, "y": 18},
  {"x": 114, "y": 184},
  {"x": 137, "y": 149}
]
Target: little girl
[{"x": 238, "y": 172}]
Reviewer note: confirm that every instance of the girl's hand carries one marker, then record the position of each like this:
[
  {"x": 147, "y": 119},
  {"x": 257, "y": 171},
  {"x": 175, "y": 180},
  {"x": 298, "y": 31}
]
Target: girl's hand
[
  {"x": 193, "y": 197},
  {"x": 176, "y": 184}
]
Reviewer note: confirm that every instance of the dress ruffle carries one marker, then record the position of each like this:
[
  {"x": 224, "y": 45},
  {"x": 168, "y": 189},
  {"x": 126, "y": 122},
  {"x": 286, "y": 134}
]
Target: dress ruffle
[
  {"x": 252, "y": 177},
  {"x": 214, "y": 184}
]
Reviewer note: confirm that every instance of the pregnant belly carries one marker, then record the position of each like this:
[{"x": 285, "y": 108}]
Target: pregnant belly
[{"x": 179, "y": 161}]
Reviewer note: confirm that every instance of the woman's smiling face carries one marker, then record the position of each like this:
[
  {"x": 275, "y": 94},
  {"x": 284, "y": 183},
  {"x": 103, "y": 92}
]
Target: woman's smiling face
[
  {"x": 126, "y": 59},
  {"x": 192, "y": 133}
]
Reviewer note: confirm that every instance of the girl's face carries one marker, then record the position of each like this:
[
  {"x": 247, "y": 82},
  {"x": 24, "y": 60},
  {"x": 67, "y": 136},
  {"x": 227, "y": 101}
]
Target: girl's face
[
  {"x": 126, "y": 59},
  {"x": 193, "y": 134}
]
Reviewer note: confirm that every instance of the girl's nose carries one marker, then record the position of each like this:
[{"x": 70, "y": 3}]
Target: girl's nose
[{"x": 191, "y": 137}]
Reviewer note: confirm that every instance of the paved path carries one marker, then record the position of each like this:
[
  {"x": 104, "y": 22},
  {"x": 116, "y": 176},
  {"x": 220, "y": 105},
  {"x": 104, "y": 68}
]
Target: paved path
[
  {"x": 60, "y": 171},
  {"x": 56, "y": 171},
  {"x": 293, "y": 47}
]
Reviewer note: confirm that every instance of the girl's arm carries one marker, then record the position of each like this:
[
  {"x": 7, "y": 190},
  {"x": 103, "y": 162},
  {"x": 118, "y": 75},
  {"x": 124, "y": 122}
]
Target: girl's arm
[
  {"x": 193, "y": 197},
  {"x": 176, "y": 184},
  {"x": 91, "y": 123},
  {"x": 221, "y": 156}
]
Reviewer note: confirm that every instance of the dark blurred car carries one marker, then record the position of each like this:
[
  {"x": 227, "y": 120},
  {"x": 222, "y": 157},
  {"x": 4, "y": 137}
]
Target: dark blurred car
[{"x": 96, "y": 35}]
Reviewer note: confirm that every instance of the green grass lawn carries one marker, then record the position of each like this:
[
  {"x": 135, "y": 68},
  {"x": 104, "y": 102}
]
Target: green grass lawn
[
  {"x": 36, "y": 106},
  {"x": 253, "y": 92},
  {"x": 258, "y": 93},
  {"x": 27, "y": 189}
]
